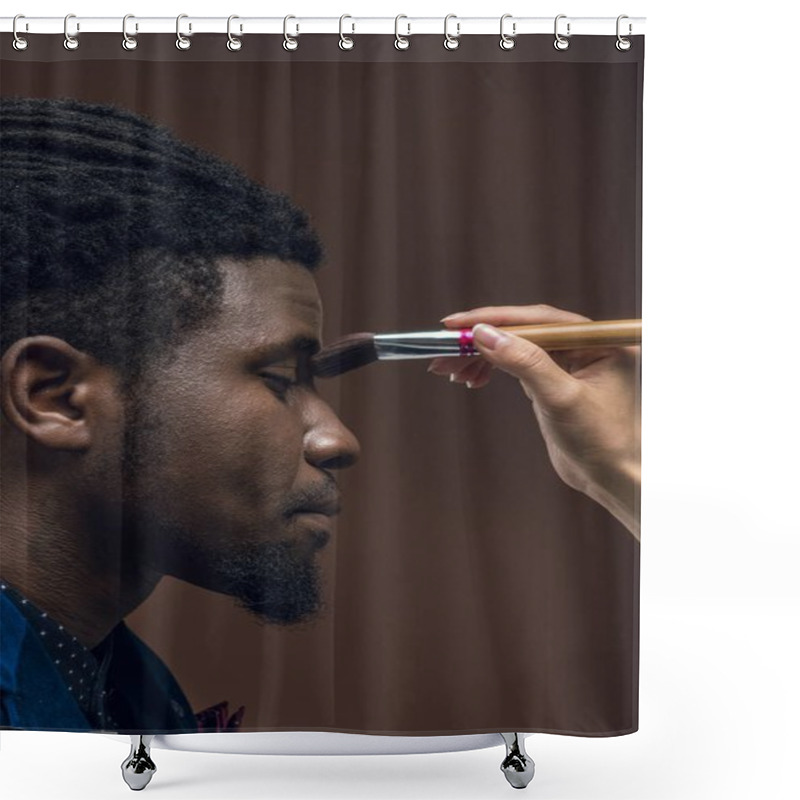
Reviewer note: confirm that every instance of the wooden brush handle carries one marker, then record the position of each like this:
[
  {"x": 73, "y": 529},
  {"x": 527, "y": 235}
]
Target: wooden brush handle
[{"x": 566, "y": 335}]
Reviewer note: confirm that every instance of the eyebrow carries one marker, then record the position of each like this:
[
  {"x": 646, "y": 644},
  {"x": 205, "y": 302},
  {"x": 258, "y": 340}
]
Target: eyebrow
[{"x": 300, "y": 345}]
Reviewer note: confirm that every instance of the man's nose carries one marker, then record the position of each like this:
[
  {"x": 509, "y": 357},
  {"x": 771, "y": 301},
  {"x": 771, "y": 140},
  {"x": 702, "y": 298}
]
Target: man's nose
[{"x": 329, "y": 443}]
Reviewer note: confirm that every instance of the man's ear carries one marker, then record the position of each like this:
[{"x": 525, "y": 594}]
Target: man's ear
[{"x": 52, "y": 392}]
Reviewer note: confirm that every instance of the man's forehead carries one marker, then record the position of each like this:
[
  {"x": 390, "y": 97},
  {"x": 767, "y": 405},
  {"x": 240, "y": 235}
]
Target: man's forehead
[{"x": 273, "y": 305}]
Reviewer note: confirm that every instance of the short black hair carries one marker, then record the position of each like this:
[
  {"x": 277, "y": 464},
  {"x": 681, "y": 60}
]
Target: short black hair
[{"x": 111, "y": 229}]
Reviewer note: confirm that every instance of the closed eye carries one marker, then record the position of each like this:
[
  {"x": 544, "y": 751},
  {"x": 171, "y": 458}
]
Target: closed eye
[{"x": 285, "y": 383}]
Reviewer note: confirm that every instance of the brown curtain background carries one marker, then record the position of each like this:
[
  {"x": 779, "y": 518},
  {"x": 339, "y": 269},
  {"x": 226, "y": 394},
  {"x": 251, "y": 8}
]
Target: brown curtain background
[{"x": 470, "y": 589}]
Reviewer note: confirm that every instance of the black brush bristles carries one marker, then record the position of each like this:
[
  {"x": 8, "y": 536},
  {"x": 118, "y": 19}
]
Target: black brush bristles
[{"x": 350, "y": 352}]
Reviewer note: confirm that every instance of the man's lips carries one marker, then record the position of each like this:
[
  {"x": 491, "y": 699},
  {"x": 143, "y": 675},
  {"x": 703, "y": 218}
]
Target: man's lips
[
  {"x": 318, "y": 517},
  {"x": 327, "y": 509},
  {"x": 324, "y": 519}
]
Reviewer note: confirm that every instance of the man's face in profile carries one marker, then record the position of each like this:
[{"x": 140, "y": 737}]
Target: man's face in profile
[{"x": 227, "y": 441}]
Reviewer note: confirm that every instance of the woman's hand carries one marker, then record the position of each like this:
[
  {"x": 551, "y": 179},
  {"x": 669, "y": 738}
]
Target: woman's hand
[{"x": 587, "y": 401}]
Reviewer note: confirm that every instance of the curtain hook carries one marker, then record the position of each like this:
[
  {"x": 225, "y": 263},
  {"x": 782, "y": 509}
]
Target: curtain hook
[
  {"x": 233, "y": 42},
  {"x": 182, "y": 43},
  {"x": 507, "y": 42},
  {"x": 561, "y": 43},
  {"x": 128, "y": 42},
  {"x": 450, "y": 41},
  {"x": 623, "y": 43},
  {"x": 289, "y": 43},
  {"x": 401, "y": 42},
  {"x": 19, "y": 42},
  {"x": 70, "y": 42},
  {"x": 345, "y": 42}
]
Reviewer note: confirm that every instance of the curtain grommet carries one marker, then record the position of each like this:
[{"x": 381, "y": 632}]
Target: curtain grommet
[
  {"x": 70, "y": 42},
  {"x": 290, "y": 42},
  {"x": 561, "y": 42},
  {"x": 451, "y": 42},
  {"x": 345, "y": 42},
  {"x": 401, "y": 42},
  {"x": 623, "y": 44},
  {"x": 129, "y": 42},
  {"x": 19, "y": 43},
  {"x": 182, "y": 42},
  {"x": 234, "y": 43},
  {"x": 507, "y": 41}
]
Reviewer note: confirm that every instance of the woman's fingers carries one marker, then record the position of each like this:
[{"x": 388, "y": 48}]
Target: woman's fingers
[
  {"x": 477, "y": 370},
  {"x": 446, "y": 365},
  {"x": 470, "y": 373},
  {"x": 540, "y": 313}
]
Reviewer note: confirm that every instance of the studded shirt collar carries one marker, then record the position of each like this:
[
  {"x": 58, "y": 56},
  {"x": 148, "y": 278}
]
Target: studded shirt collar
[{"x": 84, "y": 671}]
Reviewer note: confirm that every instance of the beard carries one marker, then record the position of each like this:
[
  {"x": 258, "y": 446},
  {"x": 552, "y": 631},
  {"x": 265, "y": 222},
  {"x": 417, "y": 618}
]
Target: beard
[{"x": 272, "y": 582}]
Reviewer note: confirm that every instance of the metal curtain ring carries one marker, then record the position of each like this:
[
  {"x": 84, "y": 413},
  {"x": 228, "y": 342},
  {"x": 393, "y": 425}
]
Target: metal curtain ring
[
  {"x": 19, "y": 42},
  {"x": 182, "y": 43},
  {"x": 507, "y": 42},
  {"x": 450, "y": 41},
  {"x": 560, "y": 42},
  {"x": 128, "y": 42},
  {"x": 400, "y": 42},
  {"x": 233, "y": 42},
  {"x": 623, "y": 43},
  {"x": 345, "y": 42},
  {"x": 70, "y": 42},
  {"x": 289, "y": 43}
]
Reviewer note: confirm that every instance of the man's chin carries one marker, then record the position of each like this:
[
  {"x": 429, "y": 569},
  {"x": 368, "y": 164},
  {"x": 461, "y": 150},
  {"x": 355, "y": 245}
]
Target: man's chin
[
  {"x": 284, "y": 616},
  {"x": 276, "y": 583}
]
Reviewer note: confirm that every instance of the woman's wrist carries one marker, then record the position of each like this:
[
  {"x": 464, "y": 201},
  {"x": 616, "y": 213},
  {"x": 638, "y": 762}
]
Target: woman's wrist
[{"x": 618, "y": 489}]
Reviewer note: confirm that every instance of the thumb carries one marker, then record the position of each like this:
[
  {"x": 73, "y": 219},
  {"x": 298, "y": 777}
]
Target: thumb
[{"x": 542, "y": 379}]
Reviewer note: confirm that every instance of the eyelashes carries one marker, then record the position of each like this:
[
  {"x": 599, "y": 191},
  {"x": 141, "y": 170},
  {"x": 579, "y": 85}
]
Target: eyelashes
[{"x": 286, "y": 384}]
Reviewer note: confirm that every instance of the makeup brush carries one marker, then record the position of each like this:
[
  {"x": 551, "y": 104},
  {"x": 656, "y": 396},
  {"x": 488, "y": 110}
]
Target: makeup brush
[{"x": 359, "y": 349}]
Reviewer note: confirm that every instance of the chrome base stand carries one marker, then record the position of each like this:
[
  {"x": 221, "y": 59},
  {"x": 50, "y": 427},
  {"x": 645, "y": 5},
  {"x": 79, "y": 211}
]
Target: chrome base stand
[
  {"x": 138, "y": 768},
  {"x": 518, "y": 766}
]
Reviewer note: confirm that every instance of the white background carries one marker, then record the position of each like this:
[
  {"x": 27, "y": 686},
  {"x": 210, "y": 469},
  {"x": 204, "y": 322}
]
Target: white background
[{"x": 719, "y": 590}]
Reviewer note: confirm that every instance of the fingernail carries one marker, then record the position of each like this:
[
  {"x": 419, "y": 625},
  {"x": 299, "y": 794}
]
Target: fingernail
[
  {"x": 489, "y": 336},
  {"x": 451, "y": 316}
]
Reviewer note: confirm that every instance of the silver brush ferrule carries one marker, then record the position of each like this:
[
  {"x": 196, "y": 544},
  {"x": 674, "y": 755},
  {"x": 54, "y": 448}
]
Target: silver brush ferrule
[{"x": 425, "y": 344}]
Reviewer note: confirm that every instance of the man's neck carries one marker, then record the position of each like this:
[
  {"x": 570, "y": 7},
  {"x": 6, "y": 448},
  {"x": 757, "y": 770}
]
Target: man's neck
[{"x": 72, "y": 575}]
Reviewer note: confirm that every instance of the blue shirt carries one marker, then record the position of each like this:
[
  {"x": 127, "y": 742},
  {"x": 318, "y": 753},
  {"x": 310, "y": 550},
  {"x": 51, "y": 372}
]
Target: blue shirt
[{"x": 50, "y": 682}]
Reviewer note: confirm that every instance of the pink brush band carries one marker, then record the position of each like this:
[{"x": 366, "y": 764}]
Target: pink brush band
[{"x": 465, "y": 344}]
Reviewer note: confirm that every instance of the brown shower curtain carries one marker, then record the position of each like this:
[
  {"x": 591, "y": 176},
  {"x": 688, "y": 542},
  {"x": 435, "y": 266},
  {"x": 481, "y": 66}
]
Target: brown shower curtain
[{"x": 465, "y": 586}]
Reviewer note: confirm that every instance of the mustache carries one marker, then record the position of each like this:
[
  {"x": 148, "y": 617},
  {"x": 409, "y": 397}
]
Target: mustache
[{"x": 323, "y": 498}]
